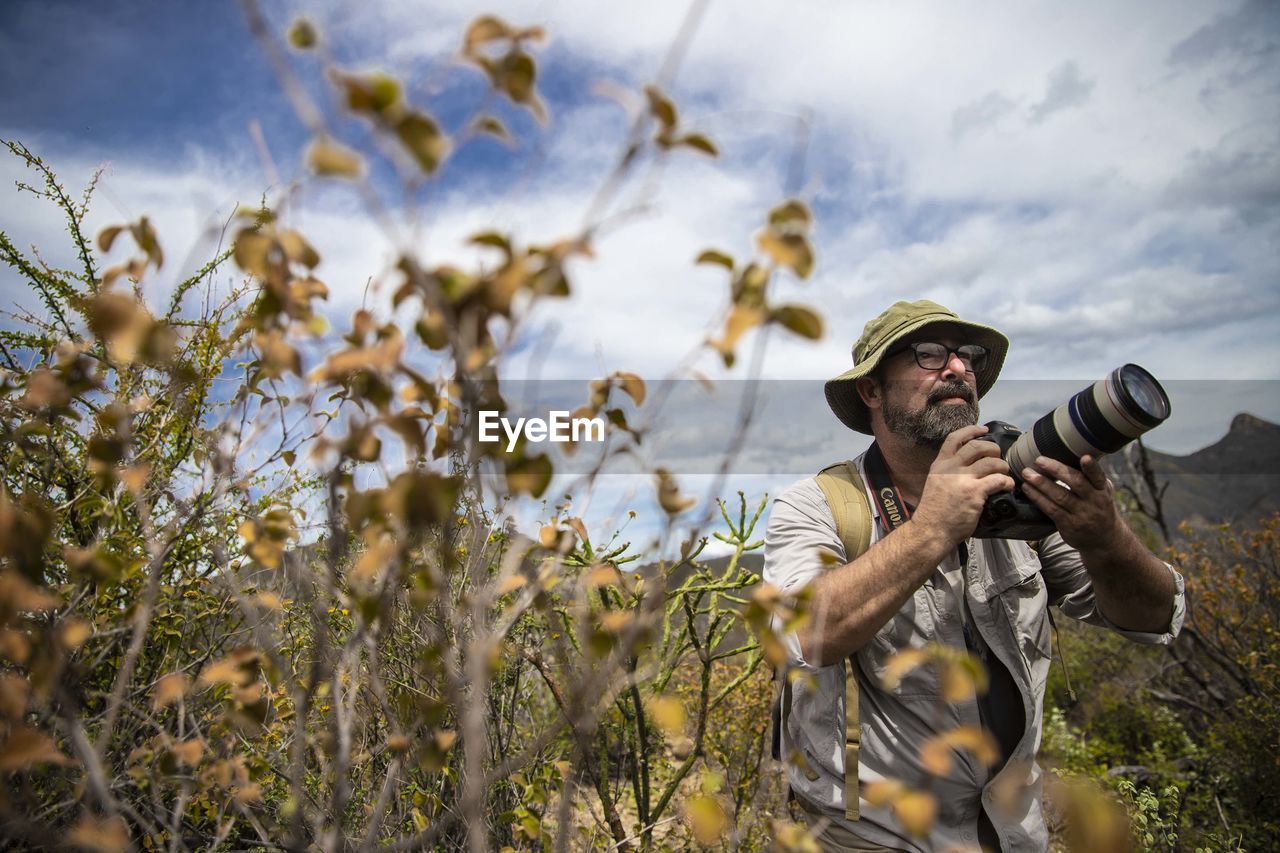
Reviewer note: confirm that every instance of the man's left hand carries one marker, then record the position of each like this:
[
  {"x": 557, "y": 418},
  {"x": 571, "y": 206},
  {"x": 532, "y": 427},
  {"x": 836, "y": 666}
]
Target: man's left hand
[{"x": 1085, "y": 510}]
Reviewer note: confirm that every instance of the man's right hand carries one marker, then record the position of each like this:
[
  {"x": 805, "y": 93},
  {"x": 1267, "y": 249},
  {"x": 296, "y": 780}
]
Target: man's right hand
[{"x": 965, "y": 473}]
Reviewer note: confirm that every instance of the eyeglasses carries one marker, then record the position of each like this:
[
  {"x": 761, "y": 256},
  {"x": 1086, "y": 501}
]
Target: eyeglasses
[{"x": 935, "y": 356}]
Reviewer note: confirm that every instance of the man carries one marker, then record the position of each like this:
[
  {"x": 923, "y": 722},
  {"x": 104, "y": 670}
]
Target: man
[{"x": 918, "y": 373}]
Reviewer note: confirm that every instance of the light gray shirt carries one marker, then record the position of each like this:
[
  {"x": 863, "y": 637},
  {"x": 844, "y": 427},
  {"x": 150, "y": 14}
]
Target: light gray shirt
[{"x": 1008, "y": 588}]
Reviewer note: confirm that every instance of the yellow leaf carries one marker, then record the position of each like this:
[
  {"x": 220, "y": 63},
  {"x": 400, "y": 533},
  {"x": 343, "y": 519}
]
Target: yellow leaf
[
  {"x": 269, "y": 601},
  {"x": 707, "y": 819},
  {"x": 668, "y": 714},
  {"x": 603, "y": 575},
  {"x": 787, "y": 249},
  {"x": 297, "y": 249},
  {"x": 669, "y": 497},
  {"x": 882, "y": 792},
  {"x": 740, "y": 320},
  {"x": 917, "y": 811},
  {"x": 237, "y": 669},
  {"x": 250, "y": 793},
  {"x": 188, "y": 752},
  {"x": 252, "y": 251},
  {"x": 168, "y": 689},
  {"x": 19, "y": 595},
  {"x": 370, "y": 563},
  {"x": 979, "y": 742},
  {"x": 134, "y": 477},
  {"x": 634, "y": 386},
  {"x": 900, "y": 664},
  {"x": 99, "y": 835},
  {"x": 14, "y": 689},
  {"x": 75, "y": 632},
  {"x": 511, "y": 584},
  {"x": 107, "y": 236},
  {"x": 617, "y": 621},
  {"x": 26, "y": 747},
  {"x": 935, "y": 756}
]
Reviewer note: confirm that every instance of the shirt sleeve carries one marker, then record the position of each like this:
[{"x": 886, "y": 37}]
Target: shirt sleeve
[
  {"x": 801, "y": 527},
  {"x": 1071, "y": 589}
]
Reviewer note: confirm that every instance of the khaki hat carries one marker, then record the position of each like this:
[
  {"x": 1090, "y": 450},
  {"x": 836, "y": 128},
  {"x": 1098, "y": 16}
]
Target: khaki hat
[{"x": 879, "y": 337}]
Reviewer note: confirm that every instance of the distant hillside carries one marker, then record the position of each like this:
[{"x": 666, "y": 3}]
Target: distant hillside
[{"x": 1235, "y": 480}]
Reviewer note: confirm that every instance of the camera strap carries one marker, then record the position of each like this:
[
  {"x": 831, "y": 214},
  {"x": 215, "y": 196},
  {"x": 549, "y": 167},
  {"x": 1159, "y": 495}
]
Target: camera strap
[{"x": 894, "y": 510}]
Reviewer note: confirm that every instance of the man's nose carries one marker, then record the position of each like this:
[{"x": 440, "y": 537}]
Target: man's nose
[{"x": 955, "y": 366}]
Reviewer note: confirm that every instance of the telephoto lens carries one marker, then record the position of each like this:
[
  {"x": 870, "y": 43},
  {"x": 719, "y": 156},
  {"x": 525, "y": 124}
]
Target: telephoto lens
[{"x": 1100, "y": 419}]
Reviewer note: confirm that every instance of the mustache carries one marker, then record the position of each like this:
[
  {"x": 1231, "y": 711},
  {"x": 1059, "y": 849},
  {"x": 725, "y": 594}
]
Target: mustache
[{"x": 952, "y": 389}]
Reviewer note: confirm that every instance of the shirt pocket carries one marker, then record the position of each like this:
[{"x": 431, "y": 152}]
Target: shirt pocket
[
  {"x": 1026, "y": 605},
  {"x": 912, "y": 628}
]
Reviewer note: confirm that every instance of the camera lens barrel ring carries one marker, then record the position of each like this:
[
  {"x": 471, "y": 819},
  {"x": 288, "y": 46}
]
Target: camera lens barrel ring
[{"x": 1099, "y": 419}]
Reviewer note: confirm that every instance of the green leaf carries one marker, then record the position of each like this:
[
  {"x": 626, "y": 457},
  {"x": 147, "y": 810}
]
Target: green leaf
[
  {"x": 700, "y": 142},
  {"x": 494, "y": 239},
  {"x": 530, "y": 475},
  {"x": 484, "y": 29},
  {"x": 492, "y": 126},
  {"x": 804, "y": 321},
  {"x": 712, "y": 256},
  {"x": 302, "y": 34},
  {"x": 519, "y": 73},
  {"x": 421, "y": 136},
  {"x": 326, "y": 157},
  {"x": 661, "y": 107},
  {"x": 790, "y": 213},
  {"x": 107, "y": 236},
  {"x": 370, "y": 94}
]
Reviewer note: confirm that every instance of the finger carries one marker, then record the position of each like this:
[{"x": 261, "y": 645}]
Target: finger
[
  {"x": 1059, "y": 495},
  {"x": 1058, "y": 471},
  {"x": 1093, "y": 472},
  {"x": 1048, "y": 507},
  {"x": 957, "y": 439},
  {"x": 977, "y": 449},
  {"x": 994, "y": 484},
  {"x": 989, "y": 465}
]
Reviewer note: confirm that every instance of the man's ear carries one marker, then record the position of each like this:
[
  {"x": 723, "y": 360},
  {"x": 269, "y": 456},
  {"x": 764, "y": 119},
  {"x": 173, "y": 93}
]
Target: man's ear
[{"x": 869, "y": 390}]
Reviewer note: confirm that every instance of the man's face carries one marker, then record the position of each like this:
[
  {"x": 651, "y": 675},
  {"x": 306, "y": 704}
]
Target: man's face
[{"x": 926, "y": 406}]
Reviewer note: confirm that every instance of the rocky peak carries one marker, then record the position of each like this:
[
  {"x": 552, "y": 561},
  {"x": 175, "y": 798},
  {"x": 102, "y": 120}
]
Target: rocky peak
[{"x": 1247, "y": 423}]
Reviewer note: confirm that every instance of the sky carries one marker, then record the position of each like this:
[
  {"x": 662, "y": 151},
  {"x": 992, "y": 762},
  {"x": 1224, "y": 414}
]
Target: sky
[{"x": 1101, "y": 181}]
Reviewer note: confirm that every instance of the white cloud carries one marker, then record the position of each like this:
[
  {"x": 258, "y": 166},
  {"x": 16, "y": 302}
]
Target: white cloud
[{"x": 1101, "y": 184}]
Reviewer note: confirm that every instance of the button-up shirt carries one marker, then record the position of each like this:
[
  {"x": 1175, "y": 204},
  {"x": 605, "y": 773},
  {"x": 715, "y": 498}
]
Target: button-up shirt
[{"x": 1008, "y": 589}]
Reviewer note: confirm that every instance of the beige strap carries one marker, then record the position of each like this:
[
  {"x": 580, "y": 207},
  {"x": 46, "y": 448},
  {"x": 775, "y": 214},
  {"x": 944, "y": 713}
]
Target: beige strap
[{"x": 847, "y": 497}]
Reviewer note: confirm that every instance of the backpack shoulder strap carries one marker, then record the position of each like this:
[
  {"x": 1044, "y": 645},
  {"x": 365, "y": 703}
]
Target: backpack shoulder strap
[{"x": 847, "y": 497}]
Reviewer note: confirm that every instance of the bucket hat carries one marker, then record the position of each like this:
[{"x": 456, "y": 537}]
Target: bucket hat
[{"x": 881, "y": 335}]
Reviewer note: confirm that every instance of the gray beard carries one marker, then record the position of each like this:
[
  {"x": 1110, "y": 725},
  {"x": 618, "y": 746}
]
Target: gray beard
[{"x": 929, "y": 427}]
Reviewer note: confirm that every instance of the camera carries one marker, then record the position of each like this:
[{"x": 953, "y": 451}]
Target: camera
[{"x": 1099, "y": 419}]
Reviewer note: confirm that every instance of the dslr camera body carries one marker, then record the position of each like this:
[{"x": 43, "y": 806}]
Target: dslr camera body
[{"x": 1098, "y": 420}]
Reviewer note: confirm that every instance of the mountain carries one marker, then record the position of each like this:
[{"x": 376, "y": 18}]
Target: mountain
[{"x": 1236, "y": 480}]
